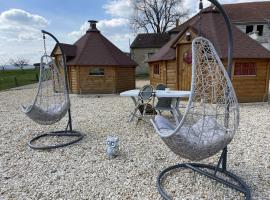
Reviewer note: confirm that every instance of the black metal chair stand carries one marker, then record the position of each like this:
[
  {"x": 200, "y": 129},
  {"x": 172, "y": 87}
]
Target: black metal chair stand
[
  {"x": 78, "y": 136},
  {"x": 67, "y": 133},
  {"x": 210, "y": 172}
]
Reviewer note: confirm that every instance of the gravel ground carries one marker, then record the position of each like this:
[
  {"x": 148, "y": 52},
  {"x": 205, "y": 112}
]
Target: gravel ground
[{"x": 83, "y": 171}]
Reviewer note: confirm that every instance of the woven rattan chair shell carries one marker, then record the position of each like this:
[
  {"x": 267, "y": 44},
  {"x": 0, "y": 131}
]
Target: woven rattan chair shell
[
  {"x": 52, "y": 101},
  {"x": 212, "y": 115}
]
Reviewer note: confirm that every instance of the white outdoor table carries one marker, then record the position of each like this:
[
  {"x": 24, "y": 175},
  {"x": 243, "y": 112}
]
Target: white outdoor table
[{"x": 174, "y": 94}]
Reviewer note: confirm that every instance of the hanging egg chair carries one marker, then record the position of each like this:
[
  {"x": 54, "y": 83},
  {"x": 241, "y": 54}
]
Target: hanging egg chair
[
  {"x": 52, "y": 103},
  {"x": 210, "y": 119}
]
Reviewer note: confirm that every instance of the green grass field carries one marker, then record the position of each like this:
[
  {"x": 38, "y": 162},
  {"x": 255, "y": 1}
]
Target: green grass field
[{"x": 16, "y": 78}]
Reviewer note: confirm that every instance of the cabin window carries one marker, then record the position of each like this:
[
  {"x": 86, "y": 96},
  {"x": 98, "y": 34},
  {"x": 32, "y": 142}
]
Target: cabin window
[
  {"x": 249, "y": 29},
  {"x": 96, "y": 71},
  {"x": 156, "y": 69},
  {"x": 260, "y": 30},
  {"x": 245, "y": 69}
]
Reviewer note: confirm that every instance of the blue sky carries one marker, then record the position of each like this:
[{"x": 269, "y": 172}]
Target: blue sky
[{"x": 22, "y": 20}]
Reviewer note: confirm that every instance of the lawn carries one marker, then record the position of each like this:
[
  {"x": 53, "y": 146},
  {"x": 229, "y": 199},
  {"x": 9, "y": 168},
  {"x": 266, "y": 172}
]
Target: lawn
[{"x": 15, "y": 78}]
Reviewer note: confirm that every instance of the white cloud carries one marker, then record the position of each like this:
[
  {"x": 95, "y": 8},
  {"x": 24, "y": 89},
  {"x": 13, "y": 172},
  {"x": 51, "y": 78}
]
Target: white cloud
[
  {"x": 113, "y": 23},
  {"x": 20, "y": 34},
  {"x": 21, "y": 17},
  {"x": 118, "y": 8},
  {"x": 17, "y": 24},
  {"x": 116, "y": 30}
]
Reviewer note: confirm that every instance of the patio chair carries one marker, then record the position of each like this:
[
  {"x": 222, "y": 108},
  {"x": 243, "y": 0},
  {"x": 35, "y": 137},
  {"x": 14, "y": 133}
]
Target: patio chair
[
  {"x": 163, "y": 104},
  {"x": 144, "y": 105}
]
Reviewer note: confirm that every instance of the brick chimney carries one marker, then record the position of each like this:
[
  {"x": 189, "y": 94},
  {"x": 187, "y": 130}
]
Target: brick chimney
[
  {"x": 93, "y": 26},
  {"x": 177, "y": 22}
]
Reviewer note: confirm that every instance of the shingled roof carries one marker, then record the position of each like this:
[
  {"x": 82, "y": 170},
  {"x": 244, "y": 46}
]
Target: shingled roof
[
  {"x": 214, "y": 28},
  {"x": 250, "y": 12},
  {"x": 150, "y": 40},
  {"x": 69, "y": 49},
  {"x": 96, "y": 50}
]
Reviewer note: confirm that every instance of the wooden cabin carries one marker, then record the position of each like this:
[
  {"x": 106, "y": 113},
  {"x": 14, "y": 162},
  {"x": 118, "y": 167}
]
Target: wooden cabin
[
  {"x": 95, "y": 65},
  {"x": 251, "y": 61}
]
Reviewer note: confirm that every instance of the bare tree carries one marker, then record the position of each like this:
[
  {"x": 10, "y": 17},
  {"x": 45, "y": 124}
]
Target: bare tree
[
  {"x": 156, "y": 15},
  {"x": 19, "y": 62}
]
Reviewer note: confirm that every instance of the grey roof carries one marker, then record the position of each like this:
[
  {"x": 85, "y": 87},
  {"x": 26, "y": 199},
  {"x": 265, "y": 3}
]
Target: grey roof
[{"x": 150, "y": 40}]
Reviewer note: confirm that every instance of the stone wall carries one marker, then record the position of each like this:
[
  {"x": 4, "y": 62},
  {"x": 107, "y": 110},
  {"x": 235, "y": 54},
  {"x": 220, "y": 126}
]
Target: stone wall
[
  {"x": 264, "y": 39},
  {"x": 140, "y": 55}
]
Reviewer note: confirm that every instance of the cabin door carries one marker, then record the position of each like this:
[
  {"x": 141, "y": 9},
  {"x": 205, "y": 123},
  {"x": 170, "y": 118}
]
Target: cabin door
[{"x": 185, "y": 67}]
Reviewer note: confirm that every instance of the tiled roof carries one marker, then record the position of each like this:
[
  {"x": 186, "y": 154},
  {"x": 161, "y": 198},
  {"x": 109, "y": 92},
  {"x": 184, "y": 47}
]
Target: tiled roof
[
  {"x": 150, "y": 40},
  {"x": 70, "y": 50},
  {"x": 96, "y": 50},
  {"x": 214, "y": 28},
  {"x": 256, "y": 12},
  {"x": 248, "y": 12}
]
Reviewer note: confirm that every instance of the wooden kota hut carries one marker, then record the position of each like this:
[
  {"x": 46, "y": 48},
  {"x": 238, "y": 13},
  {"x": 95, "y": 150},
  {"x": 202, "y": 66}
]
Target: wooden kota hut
[
  {"x": 95, "y": 65},
  {"x": 171, "y": 65}
]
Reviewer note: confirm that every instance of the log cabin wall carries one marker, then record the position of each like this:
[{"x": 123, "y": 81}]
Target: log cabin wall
[
  {"x": 125, "y": 78},
  {"x": 96, "y": 84},
  {"x": 157, "y": 76},
  {"x": 114, "y": 80},
  {"x": 167, "y": 74},
  {"x": 171, "y": 74},
  {"x": 73, "y": 75},
  {"x": 254, "y": 88},
  {"x": 248, "y": 88}
]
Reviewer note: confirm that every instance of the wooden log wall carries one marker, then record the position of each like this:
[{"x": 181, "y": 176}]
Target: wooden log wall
[
  {"x": 125, "y": 78},
  {"x": 96, "y": 84},
  {"x": 253, "y": 88}
]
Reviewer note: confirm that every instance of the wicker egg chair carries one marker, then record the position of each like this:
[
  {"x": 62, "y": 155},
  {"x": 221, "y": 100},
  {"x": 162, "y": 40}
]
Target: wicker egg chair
[
  {"x": 52, "y": 102},
  {"x": 210, "y": 119}
]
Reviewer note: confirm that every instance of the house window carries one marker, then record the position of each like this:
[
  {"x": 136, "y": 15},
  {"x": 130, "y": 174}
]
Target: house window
[
  {"x": 260, "y": 30},
  {"x": 245, "y": 69},
  {"x": 249, "y": 29},
  {"x": 150, "y": 54},
  {"x": 96, "y": 71},
  {"x": 156, "y": 69}
]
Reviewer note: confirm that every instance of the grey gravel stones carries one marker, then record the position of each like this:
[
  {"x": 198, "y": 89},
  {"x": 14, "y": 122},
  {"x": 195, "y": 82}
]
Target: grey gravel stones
[{"x": 83, "y": 170}]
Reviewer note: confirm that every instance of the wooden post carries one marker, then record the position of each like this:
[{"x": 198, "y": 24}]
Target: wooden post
[
  {"x": 16, "y": 81},
  {"x": 37, "y": 79}
]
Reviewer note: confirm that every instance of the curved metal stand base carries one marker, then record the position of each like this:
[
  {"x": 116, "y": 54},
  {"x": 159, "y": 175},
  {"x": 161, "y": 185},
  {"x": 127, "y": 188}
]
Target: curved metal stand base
[
  {"x": 75, "y": 134},
  {"x": 196, "y": 167}
]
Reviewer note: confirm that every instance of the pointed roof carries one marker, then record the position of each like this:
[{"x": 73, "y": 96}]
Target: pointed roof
[
  {"x": 214, "y": 28},
  {"x": 69, "y": 49},
  {"x": 96, "y": 50}
]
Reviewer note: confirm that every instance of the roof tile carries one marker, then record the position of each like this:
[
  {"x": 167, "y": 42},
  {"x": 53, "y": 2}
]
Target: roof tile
[{"x": 150, "y": 40}]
